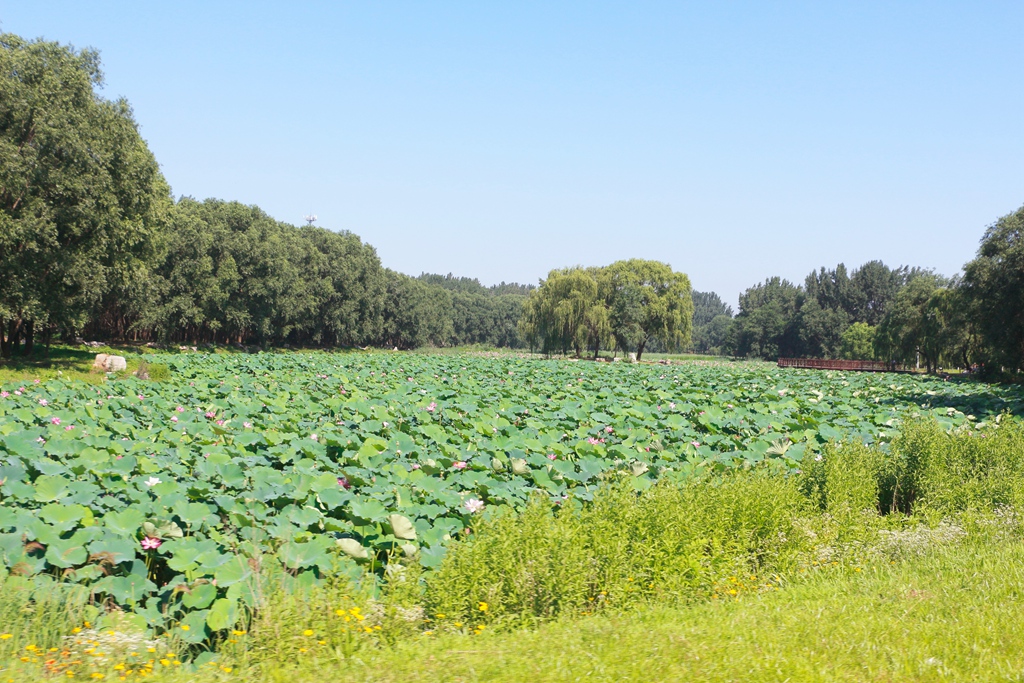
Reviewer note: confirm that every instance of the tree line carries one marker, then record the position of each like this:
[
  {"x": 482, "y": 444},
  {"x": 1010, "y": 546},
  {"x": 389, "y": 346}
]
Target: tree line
[
  {"x": 908, "y": 315},
  {"x": 92, "y": 242}
]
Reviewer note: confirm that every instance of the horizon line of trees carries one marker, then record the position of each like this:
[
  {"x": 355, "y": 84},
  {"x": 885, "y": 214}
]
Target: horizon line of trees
[
  {"x": 908, "y": 315},
  {"x": 92, "y": 241}
]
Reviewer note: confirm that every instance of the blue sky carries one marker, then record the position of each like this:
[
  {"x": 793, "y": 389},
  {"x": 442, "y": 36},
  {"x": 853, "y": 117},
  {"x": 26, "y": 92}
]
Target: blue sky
[{"x": 499, "y": 140}]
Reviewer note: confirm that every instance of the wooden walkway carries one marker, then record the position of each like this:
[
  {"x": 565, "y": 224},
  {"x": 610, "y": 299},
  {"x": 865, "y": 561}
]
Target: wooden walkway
[{"x": 843, "y": 365}]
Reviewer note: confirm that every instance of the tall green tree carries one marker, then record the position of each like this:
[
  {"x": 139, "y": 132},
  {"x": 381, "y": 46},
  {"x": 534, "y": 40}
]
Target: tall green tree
[
  {"x": 416, "y": 313},
  {"x": 567, "y": 312},
  {"x": 993, "y": 285},
  {"x": 80, "y": 193},
  {"x": 914, "y": 325},
  {"x": 649, "y": 300},
  {"x": 711, "y": 320},
  {"x": 765, "y": 326},
  {"x": 858, "y": 342}
]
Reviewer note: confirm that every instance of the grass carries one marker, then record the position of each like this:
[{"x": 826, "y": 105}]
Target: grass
[
  {"x": 66, "y": 362},
  {"x": 952, "y": 613}
]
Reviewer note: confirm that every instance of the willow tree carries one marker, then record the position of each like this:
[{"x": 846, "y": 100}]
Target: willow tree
[
  {"x": 566, "y": 312},
  {"x": 648, "y": 300},
  {"x": 80, "y": 193}
]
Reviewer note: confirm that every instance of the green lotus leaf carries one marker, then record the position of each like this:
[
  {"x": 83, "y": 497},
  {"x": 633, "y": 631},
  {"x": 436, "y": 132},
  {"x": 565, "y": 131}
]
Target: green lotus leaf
[
  {"x": 199, "y": 597},
  {"x": 223, "y": 614},
  {"x": 51, "y": 488},
  {"x": 66, "y": 553}
]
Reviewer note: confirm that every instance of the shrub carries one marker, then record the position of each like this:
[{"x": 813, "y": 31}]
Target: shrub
[{"x": 671, "y": 542}]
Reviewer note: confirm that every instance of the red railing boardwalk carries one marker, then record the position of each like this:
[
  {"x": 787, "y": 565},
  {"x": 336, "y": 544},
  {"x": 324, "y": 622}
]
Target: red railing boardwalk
[{"x": 844, "y": 365}]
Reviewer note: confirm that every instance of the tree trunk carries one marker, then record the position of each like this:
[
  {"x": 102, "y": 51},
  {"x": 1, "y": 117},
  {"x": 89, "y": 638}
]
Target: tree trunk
[
  {"x": 640, "y": 350},
  {"x": 13, "y": 336},
  {"x": 30, "y": 337}
]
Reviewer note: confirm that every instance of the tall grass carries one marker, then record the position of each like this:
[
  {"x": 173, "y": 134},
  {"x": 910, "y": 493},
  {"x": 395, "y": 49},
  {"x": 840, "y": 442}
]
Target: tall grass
[{"x": 681, "y": 542}]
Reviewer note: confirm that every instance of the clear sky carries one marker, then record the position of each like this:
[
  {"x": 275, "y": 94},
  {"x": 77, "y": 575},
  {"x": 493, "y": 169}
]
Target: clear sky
[{"x": 499, "y": 140}]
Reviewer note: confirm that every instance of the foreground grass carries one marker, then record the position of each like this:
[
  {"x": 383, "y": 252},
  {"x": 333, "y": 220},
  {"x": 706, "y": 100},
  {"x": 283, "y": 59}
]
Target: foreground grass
[{"x": 951, "y": 614}]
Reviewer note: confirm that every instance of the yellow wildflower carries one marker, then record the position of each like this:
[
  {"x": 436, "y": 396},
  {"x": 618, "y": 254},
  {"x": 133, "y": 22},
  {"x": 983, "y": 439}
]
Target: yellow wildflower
[{"x": 307, "y": 632}]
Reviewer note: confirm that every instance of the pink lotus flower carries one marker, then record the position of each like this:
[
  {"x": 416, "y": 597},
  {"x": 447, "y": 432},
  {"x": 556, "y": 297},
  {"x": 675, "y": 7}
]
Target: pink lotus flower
[
  {"x": 4, "y": 394},
  {"x": 17, "y": 392},
  {"x": 69, "y": 428},
  {"x": 344, "y": 483},
  {"x": 474, "y": 505},
  {"x": 608, "y": 430},
  {"x": 416, "y": 466},
  {"x": 150, "y": 543},
  {"x": 220, "y": 423},
  {"x": 695, "y": 444},
  {"x": 174, "y": 418},
  {"x": 551, "y": 456},
  {"x": 180, "y": 409},
  {"x": 55, "y": 420},
  {"x": 460, "y": 465},
  {"x": 247, "y": 425},
  {"x": 432, "y": 407},
  {"x": 35, "y": 381},
  {"x": 592, "y": 441},
  {"x": 210, "y": 414},
  {"x": 43, "y": 402}
]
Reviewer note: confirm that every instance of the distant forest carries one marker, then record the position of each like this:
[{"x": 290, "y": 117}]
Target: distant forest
[{"x": 93, "y": 243}]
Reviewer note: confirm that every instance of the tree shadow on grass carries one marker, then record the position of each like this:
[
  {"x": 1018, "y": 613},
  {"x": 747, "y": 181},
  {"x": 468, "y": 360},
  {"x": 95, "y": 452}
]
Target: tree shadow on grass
[{"x": 56, "y": 358}]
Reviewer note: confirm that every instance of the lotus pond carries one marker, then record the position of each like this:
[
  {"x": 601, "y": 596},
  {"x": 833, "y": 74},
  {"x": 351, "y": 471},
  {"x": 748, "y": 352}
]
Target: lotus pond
[{"x": 166, "y": 498}]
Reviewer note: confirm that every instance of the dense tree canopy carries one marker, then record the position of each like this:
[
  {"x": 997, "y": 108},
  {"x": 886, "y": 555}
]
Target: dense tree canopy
[
  {"x": 80, "y": 194},
  {"x": 631, "y": 302},
  {"x": 994, "y": 290}
]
